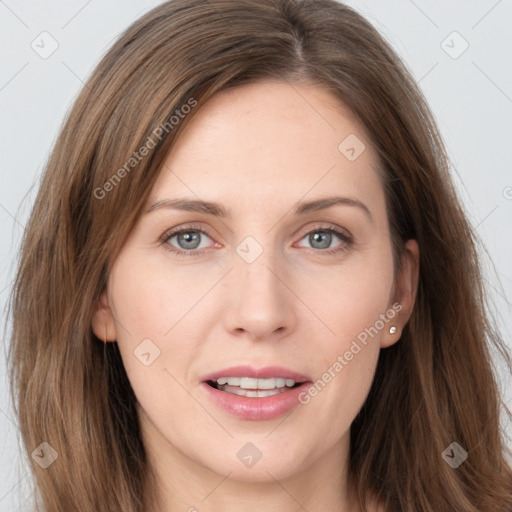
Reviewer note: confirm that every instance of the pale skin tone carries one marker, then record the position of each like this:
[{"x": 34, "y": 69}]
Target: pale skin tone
[{"x": 258, "y": 150}]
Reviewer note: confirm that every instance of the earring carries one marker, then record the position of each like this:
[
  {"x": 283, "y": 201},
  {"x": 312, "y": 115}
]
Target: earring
[{"x": 392, "y": 329}]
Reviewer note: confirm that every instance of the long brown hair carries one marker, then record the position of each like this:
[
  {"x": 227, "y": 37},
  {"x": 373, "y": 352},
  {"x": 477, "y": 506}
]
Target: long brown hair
[{"x": 436, "y": 386}]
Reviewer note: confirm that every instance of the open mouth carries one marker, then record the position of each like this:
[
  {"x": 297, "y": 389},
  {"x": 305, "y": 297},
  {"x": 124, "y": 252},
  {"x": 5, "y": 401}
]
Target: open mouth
[
  {"x": 254, "y": 398},
  {"x": 253, "y": 388}
]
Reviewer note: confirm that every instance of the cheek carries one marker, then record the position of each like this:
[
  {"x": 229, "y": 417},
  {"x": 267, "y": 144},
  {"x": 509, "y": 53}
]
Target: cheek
[
  {"x": 151, "y": 305},
  {"x": 159, "y": 311},
  {"x": 356, "y": 310},
  {"x": 151, "y": 299},
  {"x": 353, "y": 298},
  {"x": 361, "y": 299}
]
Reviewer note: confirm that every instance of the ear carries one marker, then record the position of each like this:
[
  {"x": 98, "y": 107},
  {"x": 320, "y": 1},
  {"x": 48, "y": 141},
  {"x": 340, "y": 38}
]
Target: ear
[
  {"x": 103, "y": 324},
  {"x": 404, "y": 293}
]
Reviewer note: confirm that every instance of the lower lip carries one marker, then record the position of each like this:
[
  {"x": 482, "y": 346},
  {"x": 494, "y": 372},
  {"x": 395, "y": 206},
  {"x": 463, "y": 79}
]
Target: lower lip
[{"x": 249, "y": 408}]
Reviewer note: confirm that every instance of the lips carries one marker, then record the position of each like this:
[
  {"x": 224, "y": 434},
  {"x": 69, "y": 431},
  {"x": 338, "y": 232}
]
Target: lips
[{"x": 255, "y": 394}]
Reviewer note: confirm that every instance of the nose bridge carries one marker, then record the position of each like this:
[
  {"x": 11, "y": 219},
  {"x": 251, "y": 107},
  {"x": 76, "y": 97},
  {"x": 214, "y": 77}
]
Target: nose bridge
[
  {"x": 261, "y": 303},
  {"x": 256, "y": 268}
]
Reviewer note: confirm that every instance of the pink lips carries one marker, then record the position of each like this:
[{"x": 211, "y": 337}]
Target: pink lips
[{"x": 252, "y": 408}]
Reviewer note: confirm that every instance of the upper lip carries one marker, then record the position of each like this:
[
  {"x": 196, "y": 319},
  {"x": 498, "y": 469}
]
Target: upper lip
[{"x": 266, "y": 372}]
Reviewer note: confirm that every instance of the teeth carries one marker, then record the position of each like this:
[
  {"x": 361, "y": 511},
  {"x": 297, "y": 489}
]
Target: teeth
[
  {"x": 255, "y": 384},
  {"x": 249, "y": 383},
  {"x": 270, "y": 392},
  {"x": 252, "y": 394},
  {"x": 281, "y": 383}
]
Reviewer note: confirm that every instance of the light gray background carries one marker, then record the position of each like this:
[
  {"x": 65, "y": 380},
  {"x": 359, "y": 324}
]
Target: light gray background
[{"x": 471, "y": 97}]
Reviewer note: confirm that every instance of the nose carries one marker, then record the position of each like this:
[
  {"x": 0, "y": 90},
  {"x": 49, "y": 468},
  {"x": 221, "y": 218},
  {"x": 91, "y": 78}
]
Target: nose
[{"x": 262, "y": 304}]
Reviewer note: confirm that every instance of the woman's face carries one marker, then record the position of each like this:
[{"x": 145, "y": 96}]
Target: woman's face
[{"x": 266, "y": 284}]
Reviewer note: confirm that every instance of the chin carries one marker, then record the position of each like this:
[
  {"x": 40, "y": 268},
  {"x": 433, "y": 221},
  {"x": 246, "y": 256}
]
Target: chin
[{"x": 256, "y": 461}]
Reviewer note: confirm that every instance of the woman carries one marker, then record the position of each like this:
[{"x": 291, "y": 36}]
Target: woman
[{"x": 185, "y": 350}]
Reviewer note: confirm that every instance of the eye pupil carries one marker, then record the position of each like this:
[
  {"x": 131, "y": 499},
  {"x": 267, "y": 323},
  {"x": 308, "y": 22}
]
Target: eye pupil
[
  {"x": 321, "y": 236},
  {"x": 188, "y": 238}
]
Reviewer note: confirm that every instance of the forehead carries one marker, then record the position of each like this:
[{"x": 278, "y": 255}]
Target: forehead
[{"x": 271, "y": 143}]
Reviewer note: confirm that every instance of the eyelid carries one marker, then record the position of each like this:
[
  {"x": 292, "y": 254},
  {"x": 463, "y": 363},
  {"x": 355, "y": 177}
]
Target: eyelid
[
  {"x": 172, "y": 232},
  {"x": 326, "y": 226},
  {"x": 343, "y": 234}
]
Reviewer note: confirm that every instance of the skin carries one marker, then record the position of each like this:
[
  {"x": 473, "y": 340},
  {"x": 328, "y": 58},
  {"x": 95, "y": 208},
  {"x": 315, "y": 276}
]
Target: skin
[{"x": 257, "y": 149}]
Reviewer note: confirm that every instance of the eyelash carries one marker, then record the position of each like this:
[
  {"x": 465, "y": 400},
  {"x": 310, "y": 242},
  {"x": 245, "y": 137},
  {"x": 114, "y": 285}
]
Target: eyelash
[{"x": 193, "y": 228}]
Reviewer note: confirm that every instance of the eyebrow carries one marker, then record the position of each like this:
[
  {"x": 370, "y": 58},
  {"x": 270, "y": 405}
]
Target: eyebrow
[{"x": 216, "y": 209}]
